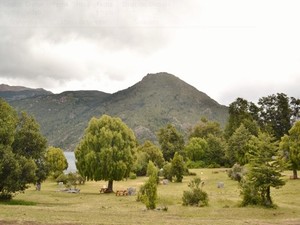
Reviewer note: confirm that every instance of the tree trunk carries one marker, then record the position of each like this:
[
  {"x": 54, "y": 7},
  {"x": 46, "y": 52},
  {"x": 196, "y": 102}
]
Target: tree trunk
[
  {"x": 269, "y": 200},
  {"x": 110, "y": 186},
  {"x": 295, "y": 175},
  {"x": 38, "y": 186}
]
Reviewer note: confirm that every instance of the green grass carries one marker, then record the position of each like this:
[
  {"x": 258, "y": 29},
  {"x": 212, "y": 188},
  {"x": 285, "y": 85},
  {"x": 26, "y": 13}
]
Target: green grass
[
  {"x": 90, "y": 207},
  {"x": 17, "y": 202}
]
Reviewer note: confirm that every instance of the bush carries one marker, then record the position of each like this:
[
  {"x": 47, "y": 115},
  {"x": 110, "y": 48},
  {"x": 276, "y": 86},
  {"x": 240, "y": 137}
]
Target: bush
[
  {"x": 195, "y": 196},
  {"x": 178, "y": 167},
  {"x": 250, "y": 194},
  {"x": 213, "y": 165},
  {"x": 195, "y": 164},
  {"x": 148, "y": 193},
  {"x": 62, "y": 178},
  {"x": 5, "y": 196},
  {"x": 167, "y": 171},
  {"x": 140, "y": 194},
  {"x": 236, "y": 172},
  {"x": 132, "y": 176},
  {"x": 71, "y": 179}
]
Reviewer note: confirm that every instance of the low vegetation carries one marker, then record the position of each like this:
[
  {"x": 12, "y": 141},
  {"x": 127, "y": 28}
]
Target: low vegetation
[{"x": 195, "y": 196}]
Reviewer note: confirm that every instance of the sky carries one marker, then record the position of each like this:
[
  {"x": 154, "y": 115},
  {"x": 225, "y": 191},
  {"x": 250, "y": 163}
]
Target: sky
[{"x": 227, "y": 49}]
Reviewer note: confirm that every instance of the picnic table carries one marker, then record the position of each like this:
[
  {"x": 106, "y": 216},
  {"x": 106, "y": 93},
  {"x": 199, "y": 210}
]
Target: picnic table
[
  {"x": 121, "y": 192},
  {"x": 103, "y": 190}
]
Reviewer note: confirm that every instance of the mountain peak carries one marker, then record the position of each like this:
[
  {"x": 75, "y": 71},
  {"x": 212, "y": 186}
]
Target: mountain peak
[
  {"x": 153, "y": 102},
  {"x": 162, "y": 76}
]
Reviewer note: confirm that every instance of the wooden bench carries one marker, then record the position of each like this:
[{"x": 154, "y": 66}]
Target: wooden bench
[{"x": 121, "y": 192}]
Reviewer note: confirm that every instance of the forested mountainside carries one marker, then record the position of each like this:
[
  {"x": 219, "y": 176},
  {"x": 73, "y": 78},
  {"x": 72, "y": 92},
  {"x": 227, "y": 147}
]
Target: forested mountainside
[{"x": 158, "y": 99}]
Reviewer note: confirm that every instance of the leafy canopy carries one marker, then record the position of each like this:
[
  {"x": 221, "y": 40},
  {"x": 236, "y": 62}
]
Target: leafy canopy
[
  {"x": 238, "y": 147},
  {"x": 264, "y": 171},
  {"x": 145, "y": 153},
  {"x": 290, "y": 147},
  {"x": 170, "y": 140},
  {"x": 56, "y": 161},
  {"x": 177, "y": 167},
  {"x": 106, "y": 151},
  {"x": 21, "y": 151}
]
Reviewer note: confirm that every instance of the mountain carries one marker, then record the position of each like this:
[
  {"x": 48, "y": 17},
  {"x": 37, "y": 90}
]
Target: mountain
[
  {"x": 10, "y": 93},
  {"x": 158, "y": 99}
]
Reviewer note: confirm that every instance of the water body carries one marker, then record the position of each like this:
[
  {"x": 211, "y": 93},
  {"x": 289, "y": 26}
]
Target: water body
[{"x": 70, "y": 156}]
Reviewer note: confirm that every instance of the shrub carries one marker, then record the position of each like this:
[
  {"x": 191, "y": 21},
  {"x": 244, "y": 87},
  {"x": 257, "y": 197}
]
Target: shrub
[
  {"x": 132, "y": 176},
  {"x": 250, "y": 194},
  {"x": 62, "y": 178},
  {"x": 167, "y": 171},
  {"x": 148, "y": 193},
  {"x": 140, "y": 194},
  {"x": 195, "y": 164},
  {"x": 71, "y": 179},
  {"x": 236, "y": 172},
  {"x": 152, "y": 171},
  {"x": 213, "y": 165},
  {"x": 195, "y": 196},
  {"x": 4, "y": 196},
  {"x": 178, "y": 167}
]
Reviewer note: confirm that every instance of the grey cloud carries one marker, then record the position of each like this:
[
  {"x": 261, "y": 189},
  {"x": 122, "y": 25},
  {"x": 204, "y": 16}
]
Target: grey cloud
[
  {"x": 117, "y": 23},
  {"x": 134, "y": 26}
]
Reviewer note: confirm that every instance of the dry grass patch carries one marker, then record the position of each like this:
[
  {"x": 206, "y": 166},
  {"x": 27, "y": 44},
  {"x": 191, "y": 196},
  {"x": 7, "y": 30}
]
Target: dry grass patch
[{"x": 90, "y": 207}]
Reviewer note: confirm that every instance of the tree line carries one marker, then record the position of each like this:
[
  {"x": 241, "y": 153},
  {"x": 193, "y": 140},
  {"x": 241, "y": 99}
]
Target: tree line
[{"x": 262, "y": 137}]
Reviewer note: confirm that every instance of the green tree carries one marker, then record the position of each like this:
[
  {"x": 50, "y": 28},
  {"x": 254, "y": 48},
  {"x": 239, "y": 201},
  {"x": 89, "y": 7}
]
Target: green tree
[
  {"x": 290, "y": 146},
  {"x": 106, "y": 151},
  {"x": 196, "y": 148},
  {"x": 295, "y": 108},
  {"x": 211, "y": 149},
  {"x": 145, "y": 153},
  {"x": 240, "y": 111},
  {"x": 148, "y": 192},
  {"x": 177, "y": 167},
  {"x": 238, "y": 148},
  {"x": 276, "y": 114},
  {"x": 8, "y": 123},
  {"x": 263, "y": 173},
  {"x": 56, "y": 161},
  {"x": 30, "y": 143},
  {"x": 215, "y": 153},
  {"x": 171, "y": 141},
  {"x": 205, "y": 128},
  {"x": 167, "y": 171},
  {"x": 153, "y": 152},
  {"x": 16, "y": 170},
  {"x": 152, "y": 171}
]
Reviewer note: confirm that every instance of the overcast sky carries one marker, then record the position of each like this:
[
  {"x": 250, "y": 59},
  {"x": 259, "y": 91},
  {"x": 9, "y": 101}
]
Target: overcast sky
[{"x": 227, "y": 49}]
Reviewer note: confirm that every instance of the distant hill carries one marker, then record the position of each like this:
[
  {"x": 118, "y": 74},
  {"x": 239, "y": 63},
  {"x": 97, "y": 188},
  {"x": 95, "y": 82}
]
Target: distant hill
[
  {"x": 10, "y": 93},
  {"x": 158, "y": 99}
]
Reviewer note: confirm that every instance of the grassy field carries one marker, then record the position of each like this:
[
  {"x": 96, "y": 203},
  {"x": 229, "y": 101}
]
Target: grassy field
[{"x": 50, "y": 206}]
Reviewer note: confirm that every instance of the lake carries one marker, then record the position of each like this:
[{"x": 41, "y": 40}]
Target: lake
[{"x": 70, "y": 156}]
